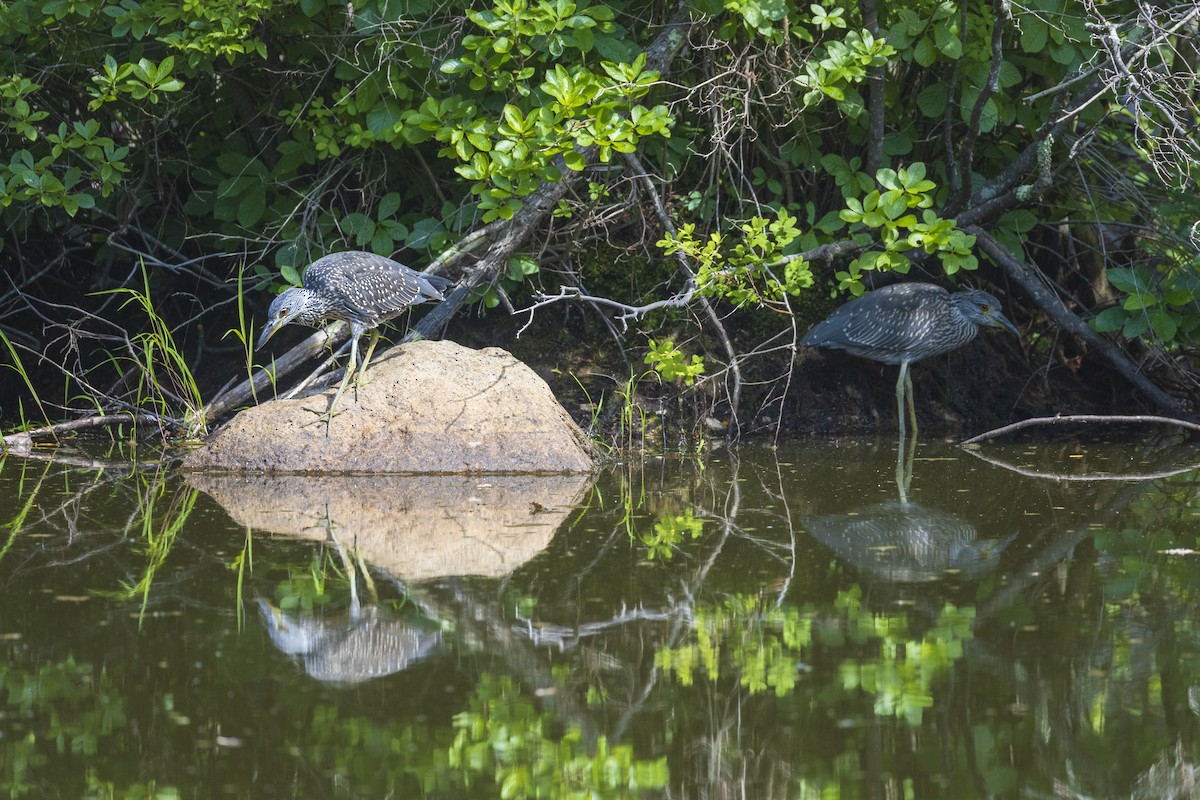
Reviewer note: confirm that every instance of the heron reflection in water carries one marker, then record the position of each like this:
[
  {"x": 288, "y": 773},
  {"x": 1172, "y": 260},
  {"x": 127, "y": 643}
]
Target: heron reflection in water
[
  {"x": 906, "y": 542},
  {"x": 900, "y": 541},
  {"x": 361, "y": 644}
]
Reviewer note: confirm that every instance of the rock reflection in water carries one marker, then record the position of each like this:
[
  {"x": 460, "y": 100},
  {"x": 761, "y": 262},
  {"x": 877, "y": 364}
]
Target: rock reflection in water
[
  {"x": 907, "y": 542},
  {"x": 411, "y": 528},
  {"x": 415, "y": 527}
]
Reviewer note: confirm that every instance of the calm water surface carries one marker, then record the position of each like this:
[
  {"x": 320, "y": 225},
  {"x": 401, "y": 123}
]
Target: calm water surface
[{"x": 1021, "y": 621}]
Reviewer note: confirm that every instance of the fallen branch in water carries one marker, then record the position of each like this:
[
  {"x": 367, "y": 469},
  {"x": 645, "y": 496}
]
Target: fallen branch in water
[
  {"x": 1127, "y": 477},
  {"x": 1078, "y": 418},
  {"x": 22, "y": 443}
]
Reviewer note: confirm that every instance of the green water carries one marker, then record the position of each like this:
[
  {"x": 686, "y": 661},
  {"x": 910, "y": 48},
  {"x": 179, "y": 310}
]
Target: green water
[{"x": 1025, "y": 622}]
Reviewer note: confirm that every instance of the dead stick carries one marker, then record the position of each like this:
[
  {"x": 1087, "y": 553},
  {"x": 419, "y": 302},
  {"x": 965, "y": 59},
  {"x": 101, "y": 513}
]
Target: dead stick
[
  {"x": 20, "y": 443},
  {"x": 1074, "y": 418}
]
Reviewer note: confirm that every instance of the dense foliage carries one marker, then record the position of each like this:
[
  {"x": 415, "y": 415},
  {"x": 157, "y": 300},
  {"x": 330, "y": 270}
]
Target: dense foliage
[{"x": 787, "y": 147}]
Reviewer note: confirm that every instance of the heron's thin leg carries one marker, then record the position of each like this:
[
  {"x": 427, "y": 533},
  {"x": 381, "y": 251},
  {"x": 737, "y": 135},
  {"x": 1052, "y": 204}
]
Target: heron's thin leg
[
  {"x": 348, "y": 563},
  {"x": 900, "y": 389},
  {"x": 370, "y": 351},
  {"x": 328, "y": 415},
  {"x": 904, "y": 454},
  {"x": 366, "y": 573},
  {"x": 912, "y": 408},
  {"x": 904, "y": 466},
  {"x": 363, "y": 367}
]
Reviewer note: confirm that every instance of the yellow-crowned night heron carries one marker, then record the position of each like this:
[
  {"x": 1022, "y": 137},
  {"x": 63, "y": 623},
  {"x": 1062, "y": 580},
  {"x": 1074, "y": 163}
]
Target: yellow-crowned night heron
[
  {"x": 906, "y": 322},
  {"x": 363, "y": 289}
]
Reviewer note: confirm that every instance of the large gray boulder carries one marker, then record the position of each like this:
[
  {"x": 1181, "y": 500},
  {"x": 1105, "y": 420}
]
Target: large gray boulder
[{"x": 424, "y": 407}]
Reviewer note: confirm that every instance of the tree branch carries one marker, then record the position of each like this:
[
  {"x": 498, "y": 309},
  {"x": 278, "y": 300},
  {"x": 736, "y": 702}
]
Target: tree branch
[
  {"x": 503, "y": 239},
  {"x": 875, "y": 94},
  {"x": 1029, "y": 280},
  {"x": 967, "y": 152}
]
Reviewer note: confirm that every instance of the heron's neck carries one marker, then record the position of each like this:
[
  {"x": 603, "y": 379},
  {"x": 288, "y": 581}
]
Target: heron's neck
[{"x": 312, "y": 310}]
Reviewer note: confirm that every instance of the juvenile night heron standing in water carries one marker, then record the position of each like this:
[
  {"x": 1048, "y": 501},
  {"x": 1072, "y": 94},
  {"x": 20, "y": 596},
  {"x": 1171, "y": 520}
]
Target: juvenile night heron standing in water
[
  {"x": 907, "y": 322},
  {"x": 363, "y": 289}
]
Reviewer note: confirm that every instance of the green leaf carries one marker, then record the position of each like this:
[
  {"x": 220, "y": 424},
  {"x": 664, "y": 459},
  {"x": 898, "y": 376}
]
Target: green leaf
[
  {"x": 1175, "y": 297},
  {"x": 145, "y": 70},
  {"x": 759, "y": 14},
  {"x": 1135, "y": 326},
  {"x": 360, "y": 226},
  {"x": 519, "y": 266},
  {"x": 1126, "y": 280},
  {"x": 1164, "y": 325},
  {"x": 250, "y": 209},
  {"x": 310, "y": 8},
  {"x": 382, "y": 243},
  {"x": 1020, "y": 220},
  {"x": 455, "y": 66},
  {"x": 925, "y": 53},
  {"x": 616, "y": 48},
  {"x": 1034, "y": 34},
  {"x": 584, "y": 39},
  {"x": 948, "y": 42},
  {"x": 574, "y": 160},
  {"x": 1138, "y": 302},
  {"x": 514, "y": 118},
  {"x": 933, "y": 98},
  {"x": 232, "y": 162},
  {"x": 384, "y": 117},
  {"x": 388, "y": 206},
  {"x": 1065, "y": 53},
  {"x": 893, "y": 206}
]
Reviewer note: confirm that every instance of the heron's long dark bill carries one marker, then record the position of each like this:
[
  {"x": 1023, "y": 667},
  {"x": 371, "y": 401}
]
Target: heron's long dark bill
[
  {"x": 268, "y": 332},
  {"x": 998, "y": 320}
]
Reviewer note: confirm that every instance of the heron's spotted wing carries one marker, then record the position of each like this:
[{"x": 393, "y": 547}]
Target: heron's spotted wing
[
  {"x": 889, "y": 324},
  {"x": 367, "y": 287}
]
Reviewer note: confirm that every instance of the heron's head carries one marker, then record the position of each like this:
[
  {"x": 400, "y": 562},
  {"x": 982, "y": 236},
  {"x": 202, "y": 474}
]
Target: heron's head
[
  {"x": 983, "y": 309},
  {"x": 294, "y": 305}
]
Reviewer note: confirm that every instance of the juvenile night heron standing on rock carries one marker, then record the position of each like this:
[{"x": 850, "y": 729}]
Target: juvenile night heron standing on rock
[
  {"x": 907, "y": 322},
  {"x": 363, "y": 289}
]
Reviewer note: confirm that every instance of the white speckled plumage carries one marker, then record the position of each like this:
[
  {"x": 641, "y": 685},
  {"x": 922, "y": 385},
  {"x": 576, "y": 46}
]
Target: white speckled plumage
[{"x": 363, "y": 289}]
